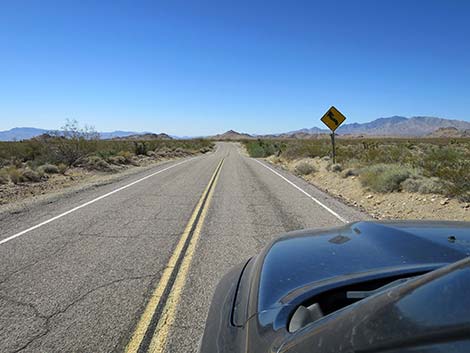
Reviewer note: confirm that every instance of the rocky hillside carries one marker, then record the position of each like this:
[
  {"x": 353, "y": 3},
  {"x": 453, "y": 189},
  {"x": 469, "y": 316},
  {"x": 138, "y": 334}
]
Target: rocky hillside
[
  {"x": 231, "y": 135},
  {"x": 450, "y": 132},
  {"x": 146, "y": 137}
]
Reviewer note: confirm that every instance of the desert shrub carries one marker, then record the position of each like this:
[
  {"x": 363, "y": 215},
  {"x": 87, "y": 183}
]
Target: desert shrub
[
  {"x": 411, "y": 184},
  {"x": 445, "y": 159},
  {"x": 62, "y": 167},
  {"x": 4, "y": 176},
  {"x": 431, "y": 186},
  {"x": 49, "y": 169},
  {"x": 126, "y": 155},
  {"x": 385, "y": 177},
  {"x": 163, "y": 151},
  {"x": 140, "y": 148},
  {"x": 105, "y": 153},
  {"x": 97, "y": 163},
  {"x": 451, "y": 165},
  {"x": 256, "y": 150},
  {"x": 423, "y": 185},
  {"x": 304, "y": 168},
  {"x": 205, "y": 149},
  {"x": 179, "y": 152},
  {"x": 118, "y": 160},
  {"x": 263, "y": 148},
  {"x": 274, "y": 159},
  {"x": 31, "y": 175},
  {"x": 73, "y": 143},
  {"x": 306, "y": 149},
  {"x": 151, "y": 154},
  {"x": 349, "y": 172},
  {"x": 437, "y": 159},
  {"x": 336, "y": 167},
  {"x": 15, "y": 175}
]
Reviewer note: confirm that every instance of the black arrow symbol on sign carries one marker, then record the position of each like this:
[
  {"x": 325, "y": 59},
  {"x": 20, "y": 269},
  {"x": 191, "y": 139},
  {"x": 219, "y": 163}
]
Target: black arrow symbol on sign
[{"x": 332, "y": 117}]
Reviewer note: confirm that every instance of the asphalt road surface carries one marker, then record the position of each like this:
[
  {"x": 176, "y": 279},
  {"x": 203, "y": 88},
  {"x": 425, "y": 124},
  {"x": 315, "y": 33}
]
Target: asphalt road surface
[{"x": 131, "y": 266}]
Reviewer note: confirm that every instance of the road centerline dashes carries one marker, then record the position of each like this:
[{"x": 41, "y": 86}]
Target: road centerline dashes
[{"x": 153, "y": 328}]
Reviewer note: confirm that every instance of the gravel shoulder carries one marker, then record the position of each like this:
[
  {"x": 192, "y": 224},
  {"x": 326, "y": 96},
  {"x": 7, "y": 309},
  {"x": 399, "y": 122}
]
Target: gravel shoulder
[{"x": 395, "y": 205}]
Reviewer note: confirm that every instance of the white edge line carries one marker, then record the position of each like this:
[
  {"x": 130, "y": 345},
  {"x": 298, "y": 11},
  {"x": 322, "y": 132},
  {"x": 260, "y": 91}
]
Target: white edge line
[
  {"x": 90, "y": 202},
  {"x": 304, "y": 192}
]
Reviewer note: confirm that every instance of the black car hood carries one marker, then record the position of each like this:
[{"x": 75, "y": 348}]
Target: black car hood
[
  {"x": 254, "y": 305},
  {"x": 298, "y": 262},
  {"x": 427, "y": 314}
]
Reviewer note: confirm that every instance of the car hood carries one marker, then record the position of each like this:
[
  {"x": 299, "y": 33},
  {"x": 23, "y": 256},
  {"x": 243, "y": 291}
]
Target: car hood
[{"x": 299, "y": 262}]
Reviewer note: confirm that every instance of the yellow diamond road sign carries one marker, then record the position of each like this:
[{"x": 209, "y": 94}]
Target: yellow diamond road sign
[{"x": 333, "y": 118}]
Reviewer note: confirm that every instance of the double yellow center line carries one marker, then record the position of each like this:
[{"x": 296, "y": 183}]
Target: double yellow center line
[{"x": 153, "y": 328}]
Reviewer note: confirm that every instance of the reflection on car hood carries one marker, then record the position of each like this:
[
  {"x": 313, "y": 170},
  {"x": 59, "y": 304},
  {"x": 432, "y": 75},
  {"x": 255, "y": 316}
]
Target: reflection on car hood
[{"x": 309, "y": 257}]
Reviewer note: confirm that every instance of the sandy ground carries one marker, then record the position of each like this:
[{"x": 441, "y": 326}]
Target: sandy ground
[{"x": 396, "y": 205}]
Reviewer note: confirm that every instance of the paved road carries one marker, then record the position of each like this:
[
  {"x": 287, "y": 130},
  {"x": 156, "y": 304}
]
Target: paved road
[{"x": 84, "y": 281}]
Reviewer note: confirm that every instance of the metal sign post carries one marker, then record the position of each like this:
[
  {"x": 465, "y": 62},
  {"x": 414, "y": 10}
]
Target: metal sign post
[
  {"x": 333, "y": 119},
  {"x": 333, "y": 145}
]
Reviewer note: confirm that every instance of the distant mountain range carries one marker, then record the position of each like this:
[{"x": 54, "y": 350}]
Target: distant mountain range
[
  {"x": 25, "y": 133},
  {"x": 21, "y": 133},
  {"x": 397, "y": 126},
  {"x": 394, "y": 126}
]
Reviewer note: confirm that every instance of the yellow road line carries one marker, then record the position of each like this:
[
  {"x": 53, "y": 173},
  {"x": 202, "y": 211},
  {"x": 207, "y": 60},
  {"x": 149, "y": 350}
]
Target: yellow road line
[
  {"x": 158, "y": 343},
  {"x": 162, "y": 330}
]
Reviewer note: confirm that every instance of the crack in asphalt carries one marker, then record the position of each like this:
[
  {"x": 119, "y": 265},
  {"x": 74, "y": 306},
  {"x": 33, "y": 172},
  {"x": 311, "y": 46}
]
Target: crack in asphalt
[
  {"x": 39, "y": 260},
  {"x": 48, "y": 318}
]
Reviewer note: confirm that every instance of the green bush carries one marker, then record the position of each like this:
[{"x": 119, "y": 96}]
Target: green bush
[
  {"x": 304, "y": 168},
  {"x": 452, "y": 165},
  {"x": 306, "y": 149},
  {"x": 385, "y": 177},
  {"x": 263, "y": 148}
]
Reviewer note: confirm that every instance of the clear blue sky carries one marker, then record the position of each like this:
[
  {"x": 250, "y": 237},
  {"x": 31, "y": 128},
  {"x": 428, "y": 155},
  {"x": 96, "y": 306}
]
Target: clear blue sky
[{"x": 202, "y": 67}]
